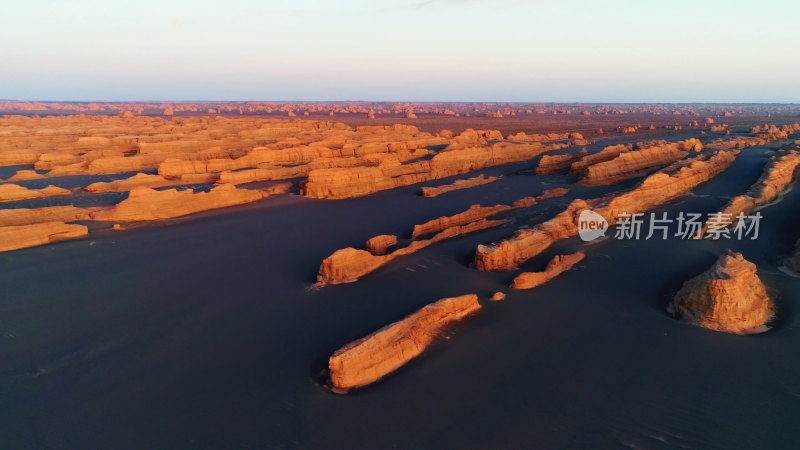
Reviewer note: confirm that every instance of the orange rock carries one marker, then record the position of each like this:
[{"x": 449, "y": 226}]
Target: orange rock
[
  {"x": 671, "y": 182},
  {"x": 127, "y": 184},
  {"x": 16, "y": 237},
  {"x": 456, "y": 185},
  {"x": 556, "y": 267},
  {"x": 148, "y": 204},
  {"x": 728, "y": 297},
  {"x": 348, "y": 264},
  {"x": 12, "y": 157},
  {"x": 379, "y": 244},
  {"x": 552, "y": 164},
  {"x": 607, "y": 154},
  {"x": 474, "y": 213},
  {"x": 12, "y": 192},
  {"x": 369, "y": 359},
  {"x": 628, "y": 164},
  {"x": 24, "y": 175},
  {"x": 498, "y": 296},
  {"x": 23, "y": 216},
  {"x": 778, "y": 174},
  {"x": 530, "y": 201}
]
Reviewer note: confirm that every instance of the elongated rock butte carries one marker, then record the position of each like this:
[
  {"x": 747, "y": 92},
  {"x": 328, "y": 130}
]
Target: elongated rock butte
[
  {"x": 369, "y": 359},
  {"x": 23, "y": 236},
  {"x": 556, "y": 267},
  {"x": 778, "y": 174},
  {"x": 669, "y": 183},
  {"x": 148, "y": 204},
  {"x": 456, "y": 185}
]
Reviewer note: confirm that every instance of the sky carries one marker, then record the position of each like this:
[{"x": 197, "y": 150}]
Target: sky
[{"x": 401, "y": 50}]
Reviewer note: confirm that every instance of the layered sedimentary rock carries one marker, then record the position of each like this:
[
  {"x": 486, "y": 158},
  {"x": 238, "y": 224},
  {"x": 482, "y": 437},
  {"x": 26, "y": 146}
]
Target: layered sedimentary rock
[
  {"x": 556, "y": 267},
  {"x": 456, "y": 185},
  {"x": 148, "y": 204},
  {"x": 358, "y": 181},
  {"x": 530, "y": 201},
  {"x": 628, "y": 164},
  {"x": 728, "y": 297},
  {"x": 24, "y": 216},
  {"x": 552, "y": 164},
  {"x": 606, "y": 154},
  {"x": 348, "y": 264},
  {"x": 777, "y": 176},
  {"x": 369, "y": 359},
  {"x": 25, "y": 175},
  {"x": 23, "y": 236},
  {"x": 474, "y": 213},
  {"x": 127, "y": 184},
  {"x": 380, "y": 244},
  {"x": 498, "y": 296},
  {"x": 671, "y": 182},
  {"x": 13, "y": 192}
]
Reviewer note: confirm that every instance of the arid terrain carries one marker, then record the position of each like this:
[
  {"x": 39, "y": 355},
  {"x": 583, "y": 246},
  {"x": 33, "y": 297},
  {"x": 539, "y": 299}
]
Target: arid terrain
[{"x": 283, "y": 273}]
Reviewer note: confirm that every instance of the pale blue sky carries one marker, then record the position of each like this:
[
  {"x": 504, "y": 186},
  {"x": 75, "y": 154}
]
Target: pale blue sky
[{"x": 415, "y": 50}]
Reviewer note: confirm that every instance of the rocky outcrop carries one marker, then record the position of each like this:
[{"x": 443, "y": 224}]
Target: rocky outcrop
[
  {"x": 357, "y": 181},
  {"x": 456, "y": 185},
  {"x": 23, "y": 236},
  {"x": 556, "y": 267},
  {"x": 348, "y": 264},
  {"x": 380, "y": 244},
  {"x": 474, "y": 213},
  {"x": 127, "y": 184},
  {"x": 530, "y": 201},
  {"x": 671, "y": 182},
  {"x": 498, "y": 296},
  {"x": 369, "y": 359},
  {"x": 606, "y": 154},
  {"x": 12, "y": 192},
  {"x": 25, "y": 175},
  {"x": 728, "y": 297},
  {"x": 148, "y": 204},
  {"x": 23, "y": 216},
  {"x": 549, "y": 165},
  {"x": 778, "y": 174},
  {"x": 629, "y": 164}
]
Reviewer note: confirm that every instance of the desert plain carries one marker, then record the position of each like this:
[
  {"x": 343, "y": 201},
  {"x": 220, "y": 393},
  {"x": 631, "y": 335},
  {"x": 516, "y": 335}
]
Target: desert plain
[{"x": 260, "y": 274}]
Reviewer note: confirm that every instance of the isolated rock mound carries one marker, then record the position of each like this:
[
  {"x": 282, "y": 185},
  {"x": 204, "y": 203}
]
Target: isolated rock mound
[
  {"x": 556, "y": 267},
  {"x": 380, "y": 244},
  {"x": 728, "y": 297},
  {"x": 24, "y": 216},
  {"x": 369, "y": 359}
]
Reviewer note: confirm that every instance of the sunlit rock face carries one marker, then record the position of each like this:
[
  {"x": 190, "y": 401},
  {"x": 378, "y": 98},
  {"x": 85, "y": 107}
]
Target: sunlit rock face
[
  {"x": 728, "y": 297},
  {"x": 369, "y": 359}
]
